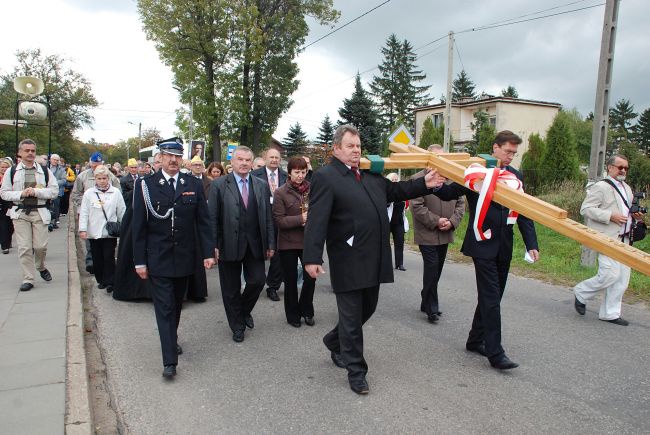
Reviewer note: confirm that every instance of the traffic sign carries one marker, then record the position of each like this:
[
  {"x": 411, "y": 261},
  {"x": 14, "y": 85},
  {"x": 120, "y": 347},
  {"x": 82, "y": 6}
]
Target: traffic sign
[{"x": 402, "y": 135}]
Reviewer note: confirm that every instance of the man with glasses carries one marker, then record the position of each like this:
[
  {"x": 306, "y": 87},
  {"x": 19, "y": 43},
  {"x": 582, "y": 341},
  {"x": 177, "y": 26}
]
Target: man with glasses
[{"x": 606, "y": 209}]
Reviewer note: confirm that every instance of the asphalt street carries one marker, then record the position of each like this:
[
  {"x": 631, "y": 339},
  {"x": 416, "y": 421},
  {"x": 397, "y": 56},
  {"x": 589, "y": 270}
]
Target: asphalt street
[{"x": 577, "y": 374}]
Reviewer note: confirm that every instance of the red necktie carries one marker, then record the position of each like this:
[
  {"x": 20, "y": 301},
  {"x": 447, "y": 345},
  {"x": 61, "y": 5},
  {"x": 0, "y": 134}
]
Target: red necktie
[{"x": 356, "y": 172}]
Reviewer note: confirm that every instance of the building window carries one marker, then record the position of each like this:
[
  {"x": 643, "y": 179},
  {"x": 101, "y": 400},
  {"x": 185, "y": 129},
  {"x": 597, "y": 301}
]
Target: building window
[
  {"x": 437, "y": 119},
  {"x": 493, "y": 121}
]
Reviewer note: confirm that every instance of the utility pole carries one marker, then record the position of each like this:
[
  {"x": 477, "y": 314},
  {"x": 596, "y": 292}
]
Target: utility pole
[
  {"x": 601, "y": 109},
  {"x": 450, "y": 74},
  {"x": 189, "y": 151},
  {"x": 139, "y": 139}
]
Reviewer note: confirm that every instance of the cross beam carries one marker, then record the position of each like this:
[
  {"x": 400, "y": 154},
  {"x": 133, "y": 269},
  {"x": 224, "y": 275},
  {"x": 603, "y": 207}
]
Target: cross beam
[{"x": 452, "y": 166}]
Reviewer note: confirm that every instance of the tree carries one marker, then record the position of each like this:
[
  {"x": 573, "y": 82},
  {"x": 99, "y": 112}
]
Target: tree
[
  {"x": 463, "y": 87},
  {"x": 620, "y": 118},
  {"x": 431, "y": 135},
  {"x": 295, "y": 142},
  {"x": 358, "y": 111},
  {"x": 395, "y": 89},
  {"x": 326, "y": 131},
  {"x": 71, "y": 99},
  {"x": 531, "y": 163},
  {"x": 484, "y": 133},
  {"x": 642, "y": 132},
  {"x": 582, "y": 130},
  {"x": 560, "y": 161},
  {"x": 510, "y": 91}
]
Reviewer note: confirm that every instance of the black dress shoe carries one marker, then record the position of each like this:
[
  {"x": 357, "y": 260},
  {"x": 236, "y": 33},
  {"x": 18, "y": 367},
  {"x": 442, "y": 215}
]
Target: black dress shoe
[
  {"x": 272, "y": 294},
  {"x": 422, "y": 308},
  {"x": 478, "y": 348},
  {"x": 620, "y": 321},
  {"x": 26, "y": 286},
  {"x": 401, "y": 267},
  {"x": 179, "y": 350},
  {"x": 169, "y": 371},
  {"x": 504, "y": 363},
  {"x": 199, "y": 300},
  {"x": 101, "y": 286},
  {"x": 309, "y": 321},
  {"x": 109, "y": 289},
  {"x": 5, "y": 251},
  {"x": 337, "y": 359},
  {"x": 295, "y": 324},
  {"x": 46, "y": 275},
  {"x": 238, "y": 336},
  {"x": 359, "y": 386},
  {"x": 90, "y": 269},
  {"x": 579, "y": 306},
  {"x": 248, "y": 320},
  {"x": 432, "y": 318}
]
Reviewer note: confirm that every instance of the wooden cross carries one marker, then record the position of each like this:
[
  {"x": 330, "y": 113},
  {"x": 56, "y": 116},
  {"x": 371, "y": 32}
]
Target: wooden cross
[{"x": 452, "y": 166}]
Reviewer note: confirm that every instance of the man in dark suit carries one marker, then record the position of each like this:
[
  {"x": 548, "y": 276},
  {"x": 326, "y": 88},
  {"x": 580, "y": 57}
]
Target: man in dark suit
[
  {"x": 348, "y": 210},
  {"x": 169, "y": 208},
  {"x": 242, "y": 224},
  {"x": 275, "y": 177},
  {"x": 492, "y": 256},
  {"x": 128, "y": 181}
]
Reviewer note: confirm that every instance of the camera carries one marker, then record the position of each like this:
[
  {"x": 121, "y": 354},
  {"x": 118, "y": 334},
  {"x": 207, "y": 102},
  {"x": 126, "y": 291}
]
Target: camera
[{"x": 636, "y": 207}]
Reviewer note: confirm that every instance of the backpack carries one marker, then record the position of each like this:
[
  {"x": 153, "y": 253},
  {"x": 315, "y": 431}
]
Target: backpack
[{"x": 46, "y": 171}]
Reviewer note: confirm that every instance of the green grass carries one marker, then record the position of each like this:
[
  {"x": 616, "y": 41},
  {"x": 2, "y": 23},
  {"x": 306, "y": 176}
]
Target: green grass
[{"x": 559, "y": 260}]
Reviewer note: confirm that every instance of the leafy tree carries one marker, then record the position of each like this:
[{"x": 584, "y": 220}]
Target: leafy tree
[
  {"x": 642, "y": 132},
  {"x": 296, "y": 140},
  {"x": 560, "y": 161},
  {"x": 395, "y": 89},
  {"x": 463, "y": 87},
  {"x": 484, "y": 133},
  {"x": 621, "y": 116},
  {"x": 358, "y": 111},
  {"x": 531, "y": 163},
  {"x": 326, "y": 131},
  {"x": 582, "y": 130},
  {"x": 430, "y": 134},
  {"x": 639, "y": 174},
  {"x": 71, "y": 99},
  {"x": 510, "y": 91}
]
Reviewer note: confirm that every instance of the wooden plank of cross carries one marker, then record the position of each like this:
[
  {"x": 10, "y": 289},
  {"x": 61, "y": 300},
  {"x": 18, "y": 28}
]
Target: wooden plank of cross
[{"x": 453, "y": 165}]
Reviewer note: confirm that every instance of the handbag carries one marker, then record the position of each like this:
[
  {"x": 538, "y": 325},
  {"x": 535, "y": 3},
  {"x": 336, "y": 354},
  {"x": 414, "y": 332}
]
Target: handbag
[
  {"x": 639, "y": 229},
  {"x": 112, "y": 227}
]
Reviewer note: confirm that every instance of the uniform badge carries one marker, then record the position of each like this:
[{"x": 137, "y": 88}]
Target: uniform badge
[
  {"x": 182, "y": 181},
  {"x": 161, "y": 182}
]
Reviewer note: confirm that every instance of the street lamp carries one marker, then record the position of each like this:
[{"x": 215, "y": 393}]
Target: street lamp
[{"x": 139, "y": 136}]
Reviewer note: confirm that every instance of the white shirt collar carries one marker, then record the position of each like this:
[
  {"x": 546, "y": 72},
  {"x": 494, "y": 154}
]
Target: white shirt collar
[
  {"x": 167, "y": 176},
  {"x": 270, "y": 171}
]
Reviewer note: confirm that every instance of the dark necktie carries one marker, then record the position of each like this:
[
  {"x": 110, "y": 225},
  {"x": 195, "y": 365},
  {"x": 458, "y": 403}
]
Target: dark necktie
[
  {"x": 244, "y": 192},
  {"x": 356, "y": 172},
  {"x": 171, "y": 185}
]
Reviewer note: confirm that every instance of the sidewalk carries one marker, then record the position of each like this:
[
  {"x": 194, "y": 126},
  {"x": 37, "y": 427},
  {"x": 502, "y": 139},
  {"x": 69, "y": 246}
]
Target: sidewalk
[{"x": 33, "y": 343}]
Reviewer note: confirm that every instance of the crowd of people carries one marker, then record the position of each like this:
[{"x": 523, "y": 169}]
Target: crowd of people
[{"x": 152, "y": 229}]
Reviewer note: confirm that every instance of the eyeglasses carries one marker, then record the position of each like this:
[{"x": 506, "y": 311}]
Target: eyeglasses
[
  {"x": 29, "y": 151},
  {"x": 621, "y": 168},
  {"x": 510, "y": 153}
]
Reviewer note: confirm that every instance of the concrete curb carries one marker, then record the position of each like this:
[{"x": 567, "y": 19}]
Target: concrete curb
[{"x": 78, "y": 417}]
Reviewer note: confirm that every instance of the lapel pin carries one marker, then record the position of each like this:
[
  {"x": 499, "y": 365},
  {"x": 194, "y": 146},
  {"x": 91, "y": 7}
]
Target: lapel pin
[
  {"x": 161, "y": 181},
  {"x": 182, "y": 180}
]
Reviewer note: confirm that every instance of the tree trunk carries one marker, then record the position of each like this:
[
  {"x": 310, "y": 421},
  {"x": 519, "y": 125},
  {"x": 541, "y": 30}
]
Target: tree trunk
[
  {"x": 214, "y": 126},
  {"x": 256, "y": 109},
  {"x": 246, "y": 94}
]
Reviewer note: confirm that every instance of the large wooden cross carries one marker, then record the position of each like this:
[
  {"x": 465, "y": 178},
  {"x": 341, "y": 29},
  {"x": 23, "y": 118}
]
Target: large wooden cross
[{"x": 452, "y": 166}]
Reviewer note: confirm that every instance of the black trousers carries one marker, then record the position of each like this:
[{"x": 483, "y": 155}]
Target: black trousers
[
  {"x": 491, "y": 277},
  {"x": 239, "y": 304},
  {"x": 433, "y": 257},
  {"x": 6, "y": 230},
  {"x": 168, "y": 294},
  {"x": 397, "y": 230},
  {"x": 56, "y": 209},
  {"x": 65, "y": 202},
  {"x": 295, "y": 308},
  {"x": 103, "y": 253},
  {"x": 355, "y": 308},
  {"x": 274, "y": 274}
]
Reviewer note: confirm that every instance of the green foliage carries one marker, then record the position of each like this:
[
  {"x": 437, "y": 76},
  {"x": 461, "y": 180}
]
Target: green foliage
[
  {"x": 295, "y": 142},
  {"x": 531, "y": 163},
  {"x": 326, "y": 131},
  {"x": 582, "y": 130},
  {"x": 642, "y": 132},
  {"x": 463, "y": 87},
  {"x": 621, "y": 117},
  {"x": 560, "y": 161},
  {"x": 395, "y": 88},
  {"x": 639, "y": 174},
  {"x": 510, "y": 91},
  {"x": 484, "y": 134},
  {"x": 358, "y": 111},
  {"x": 431, "y": 135}
]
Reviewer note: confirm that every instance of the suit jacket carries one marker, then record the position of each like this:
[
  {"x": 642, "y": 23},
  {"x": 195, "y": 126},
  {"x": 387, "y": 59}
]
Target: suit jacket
[
  {"x": 206, "y": 184},
  {"x": 127, "y": 183},
  {"x": 500, "y": 245},
  {"x": 351, "y": 216},
  {"x": 599, "y": 204},
  {"x": 224, "y": 204},
  {"x": 262, "y": 175},
  {"x": 167, "y": 251},
  {"x": 427, "y": 211}
]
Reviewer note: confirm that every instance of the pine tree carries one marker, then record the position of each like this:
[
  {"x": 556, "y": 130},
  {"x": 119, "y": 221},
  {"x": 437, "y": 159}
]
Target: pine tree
[
  {"x": 483, "y": 133},
  {"x": 358, "y": 111},
  {"x": 463, "y": 87},
  {"x": 621, "y": 116},
  {"x": 531, "y": 163},
  {"x": 642, "y": 132},
  {"x": 431, "y": 135},
  {"x": 295, "y": 142},
  {"x": 560, "y": 161},
  {"x": 510, "y": 91},
  {"x": 395, "y": 90},
  {"x": 326, "y": 132}
]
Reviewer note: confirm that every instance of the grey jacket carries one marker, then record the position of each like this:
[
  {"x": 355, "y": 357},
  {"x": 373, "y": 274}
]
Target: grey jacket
[{"x": 599, "y": 204}]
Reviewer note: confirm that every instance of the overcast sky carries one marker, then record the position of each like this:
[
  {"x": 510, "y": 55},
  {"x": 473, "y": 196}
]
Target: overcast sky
[{"x": 551, "y": 59}]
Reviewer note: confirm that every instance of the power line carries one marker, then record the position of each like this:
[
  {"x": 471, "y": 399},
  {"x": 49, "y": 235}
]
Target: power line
[
  {"x": 459, "y": 58},
  {"x": 345, "y": 25}
]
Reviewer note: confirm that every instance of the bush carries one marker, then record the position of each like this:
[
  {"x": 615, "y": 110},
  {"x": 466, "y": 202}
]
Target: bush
[{"x": 568, "y": 195}]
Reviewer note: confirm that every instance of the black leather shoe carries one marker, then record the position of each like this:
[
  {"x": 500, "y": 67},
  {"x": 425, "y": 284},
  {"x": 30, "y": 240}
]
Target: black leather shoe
[
  {"x": 309, "y": 321},
  {"x": 26, "y": 286},
  {"x": 504, "y": 363},
  {"x": 422, "y": 308},
  {"x": 101, "y": 286},
  {"x": 179, "y": 350},
  {"x": 238, "y": 336},
  {"x": 579, "y": 306},
  {"x": 295, "y": 324},
  {"x": 401, "y": 267},
  {"x": 248, "y": 320},
  {"x": 432, "y": 318},
  {"x": 272, "y": 294},
  {"x": 109, "y": 289},
  {"x": 199, "y": 300},
  {"x": 169, "y": 371},
  {"x": 46, "y": 275},
  {"x": 5, "y": 251},
  {"x": 90, "y": 269},
  {"x": 337, "y": 359},
  {"x": 620, "y": 321},
  {"x": 359, "y": 386},
  {"x": 478, "y": 348}
]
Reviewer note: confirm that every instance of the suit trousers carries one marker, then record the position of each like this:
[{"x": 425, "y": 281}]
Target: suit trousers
[
  {"x": 355, "y": 308},
  {"x": 296, "y": 308},
  {"x": 397, "y": 230},
  {"x": 167, "y": 294},
  {"x": 6, "y": 230},
  {"x": 240, "y": 304},
  {"x": 32, "y": 237},
  {"x": 433, "y": 257},
  {"x": 491, "y": 277},
  {"x": 613, "y": 278},
  {"x": 274, "y": 274},
  {"x": 103, "y": 251}
]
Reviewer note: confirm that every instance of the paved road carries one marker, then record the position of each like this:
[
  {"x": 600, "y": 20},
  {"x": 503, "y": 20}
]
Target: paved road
[{"x": 576, "y": 374}]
